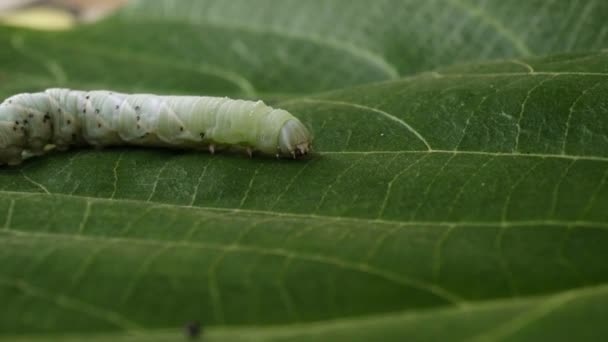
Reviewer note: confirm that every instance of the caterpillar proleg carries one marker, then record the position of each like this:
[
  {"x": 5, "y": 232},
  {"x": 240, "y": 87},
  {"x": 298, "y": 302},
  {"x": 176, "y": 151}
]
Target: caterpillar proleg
[{"x": 30, "y": 123}]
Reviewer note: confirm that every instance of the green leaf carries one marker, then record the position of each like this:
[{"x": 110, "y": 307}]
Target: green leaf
[
  {"x": 465, "y": 202},
  {"x": 268, "y": 39}
]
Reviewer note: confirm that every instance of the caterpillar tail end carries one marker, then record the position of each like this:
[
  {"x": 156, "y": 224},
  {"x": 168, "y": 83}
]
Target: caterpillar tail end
[{"x": 294, "y": 139}]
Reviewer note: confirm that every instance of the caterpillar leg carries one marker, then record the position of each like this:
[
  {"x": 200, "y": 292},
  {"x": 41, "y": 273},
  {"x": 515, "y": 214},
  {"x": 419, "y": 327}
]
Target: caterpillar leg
[
  {"x": 11, "y": 155},
  {"x": 61, "y": 145},
  {"x": 36, "y": 147},
  {"x": 36, "y": 152}
]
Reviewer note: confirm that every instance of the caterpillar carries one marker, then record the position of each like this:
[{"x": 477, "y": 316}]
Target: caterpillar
[{"x": 33, "y": 123}]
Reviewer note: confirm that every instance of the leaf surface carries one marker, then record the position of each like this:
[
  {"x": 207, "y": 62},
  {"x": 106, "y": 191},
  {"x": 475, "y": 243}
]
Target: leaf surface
[{"x": 466, "y": 202}]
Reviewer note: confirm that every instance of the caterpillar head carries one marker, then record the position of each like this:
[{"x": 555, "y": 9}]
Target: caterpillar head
[{"x": 294, "y": 139}]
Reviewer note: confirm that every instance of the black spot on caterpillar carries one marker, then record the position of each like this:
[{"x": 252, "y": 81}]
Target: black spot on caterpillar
[{"x": 166, "y": 121}]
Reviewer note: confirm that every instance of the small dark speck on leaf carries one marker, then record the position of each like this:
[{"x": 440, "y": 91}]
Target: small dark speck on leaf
[{"x": 193, "y": 330}]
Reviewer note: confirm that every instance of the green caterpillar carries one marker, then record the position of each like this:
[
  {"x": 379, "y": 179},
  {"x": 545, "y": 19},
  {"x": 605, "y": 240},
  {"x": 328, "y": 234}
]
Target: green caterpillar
[{"x": 33, "y": 123}]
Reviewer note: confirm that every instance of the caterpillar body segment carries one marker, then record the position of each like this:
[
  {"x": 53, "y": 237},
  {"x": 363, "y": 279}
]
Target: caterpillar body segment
[{"x": 31, "y": 122}]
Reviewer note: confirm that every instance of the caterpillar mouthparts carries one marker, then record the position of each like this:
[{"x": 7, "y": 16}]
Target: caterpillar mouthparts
[
  {"x": 294, "y": 139},
  {"x": 31, "y": 122}
]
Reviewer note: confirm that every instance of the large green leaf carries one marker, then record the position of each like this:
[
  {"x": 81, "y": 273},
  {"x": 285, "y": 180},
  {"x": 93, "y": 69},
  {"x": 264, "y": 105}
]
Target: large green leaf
[{"x": 464, "y": 202}]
